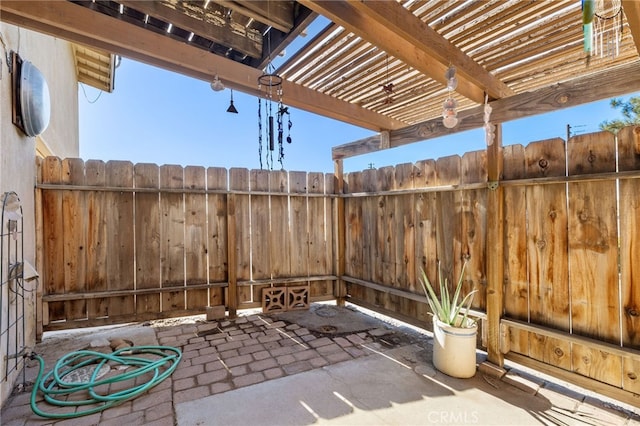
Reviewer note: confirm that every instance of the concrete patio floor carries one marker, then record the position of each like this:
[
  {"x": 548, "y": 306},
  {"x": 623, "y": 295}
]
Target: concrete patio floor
[{"x": 328, "y": 365}]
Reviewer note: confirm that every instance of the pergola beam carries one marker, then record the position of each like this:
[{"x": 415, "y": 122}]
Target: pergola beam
[
  {"x": 620, "y": 81},
  {"x": 244, "y": 43},
  {"x": 401, "y": 34},
  {"x": 82, "y": 25}
]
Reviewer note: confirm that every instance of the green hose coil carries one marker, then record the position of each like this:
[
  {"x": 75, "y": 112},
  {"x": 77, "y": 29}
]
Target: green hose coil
[{"x": 159, "y": 362}]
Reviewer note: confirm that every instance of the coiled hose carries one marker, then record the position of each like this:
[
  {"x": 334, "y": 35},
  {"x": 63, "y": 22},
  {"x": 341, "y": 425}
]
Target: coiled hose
[{"x": 158, "y": 362}]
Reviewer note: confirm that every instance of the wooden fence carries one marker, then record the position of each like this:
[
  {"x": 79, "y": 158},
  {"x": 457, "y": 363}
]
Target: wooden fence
[
  {"x": 120, "y": 241},
  {"x": 571, "y": 249}
]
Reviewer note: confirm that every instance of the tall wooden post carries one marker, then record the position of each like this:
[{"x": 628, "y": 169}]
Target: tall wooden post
[
  {"x": 340, "y": 287},
  {"x": 495, "y": 248}
]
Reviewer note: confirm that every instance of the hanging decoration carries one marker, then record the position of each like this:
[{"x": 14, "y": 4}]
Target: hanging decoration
[
  {"x": 387, "y": 88},
  {"x": 450, "y": 115},
  {"x": 607, "y": 28},
  {"x": 270, "y": 92},
  {"x": 270, "y": 87},
  {"x": 588, "y": 11},
  {"x": 489, "y": 134}
]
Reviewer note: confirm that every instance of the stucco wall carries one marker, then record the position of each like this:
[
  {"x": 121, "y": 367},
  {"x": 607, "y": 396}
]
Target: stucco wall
[{"x": 54, "y": 58}]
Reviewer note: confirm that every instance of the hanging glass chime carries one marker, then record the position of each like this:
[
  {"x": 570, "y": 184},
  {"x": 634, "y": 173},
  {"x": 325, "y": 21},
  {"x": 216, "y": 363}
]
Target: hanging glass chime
[
  {"x": 450, "y": 115},
  {"x": 270, "y": 87}
]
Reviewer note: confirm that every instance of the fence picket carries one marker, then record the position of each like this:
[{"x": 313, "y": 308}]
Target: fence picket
[
  {"x": 172, "y": 237},
  {"x": 195, "y": 231}
]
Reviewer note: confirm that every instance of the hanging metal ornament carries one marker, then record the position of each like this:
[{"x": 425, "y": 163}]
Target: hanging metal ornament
[
  {"x": 449, "y": 113},
  {"x": 270, "y": 87},
  {"x": 607, "y": 28}
]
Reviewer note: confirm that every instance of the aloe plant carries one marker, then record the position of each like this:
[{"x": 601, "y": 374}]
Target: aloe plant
[{"x": 447, "y": 309}]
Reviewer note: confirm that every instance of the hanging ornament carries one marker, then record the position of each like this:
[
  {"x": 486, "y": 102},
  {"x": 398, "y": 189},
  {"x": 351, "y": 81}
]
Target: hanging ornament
[
  {"x": 387, "y": 88},
  {"x": 449, "y": 114},
  {"x": 489, "y": 134},
  {"x": 588, "y": 11},
  {"x": 607, "y": 28}
]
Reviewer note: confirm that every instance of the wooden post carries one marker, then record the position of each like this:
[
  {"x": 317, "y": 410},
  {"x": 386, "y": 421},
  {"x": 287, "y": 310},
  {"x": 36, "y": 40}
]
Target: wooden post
[
  {"x": 39, "y": 252},
  {"x": 495, "y": 248},
  {"x": 340, "y": 288},
  {"x": 232, "y": 291}
]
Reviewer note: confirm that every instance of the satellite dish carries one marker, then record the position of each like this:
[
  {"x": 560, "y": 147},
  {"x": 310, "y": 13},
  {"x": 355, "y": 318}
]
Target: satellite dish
[{"x": 35, "y": 102}]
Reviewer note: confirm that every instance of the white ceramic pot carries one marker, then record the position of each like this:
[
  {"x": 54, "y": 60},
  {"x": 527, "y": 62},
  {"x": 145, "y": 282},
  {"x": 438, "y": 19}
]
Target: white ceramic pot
[{"x": 454, "y": 349}]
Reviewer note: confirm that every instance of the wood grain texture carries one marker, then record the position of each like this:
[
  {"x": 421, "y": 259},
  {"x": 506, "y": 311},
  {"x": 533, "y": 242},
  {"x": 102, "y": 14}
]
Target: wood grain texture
[
  {"x": 195, "y": 240},
  {"x": 217, "y": 236},
  {"x": 119, "y": 243},
  {"x": 172, "y": 236},
  {"x": 147, "y": 236},
  {"x": 96, "y": 249},
  {"x": 630, "y": 261}
]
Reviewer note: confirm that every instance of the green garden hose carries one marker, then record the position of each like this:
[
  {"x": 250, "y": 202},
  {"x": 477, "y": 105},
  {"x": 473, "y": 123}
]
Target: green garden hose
[{"x": 156, "y": 362}]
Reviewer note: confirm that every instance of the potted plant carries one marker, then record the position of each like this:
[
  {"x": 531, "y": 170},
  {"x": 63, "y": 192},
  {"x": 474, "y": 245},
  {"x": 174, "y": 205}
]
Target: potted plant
[{"x": 454, "y": 347}]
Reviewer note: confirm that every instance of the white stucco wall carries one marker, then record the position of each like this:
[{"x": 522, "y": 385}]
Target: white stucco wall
[{"x": 54, "y": 58}]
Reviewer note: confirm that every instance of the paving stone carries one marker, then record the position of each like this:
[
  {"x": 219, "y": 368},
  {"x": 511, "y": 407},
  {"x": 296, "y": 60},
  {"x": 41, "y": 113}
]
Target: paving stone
[
  {"x": 308, "y": 354},
  {"x": 242, "y": 337},
  {"x": 190, "y": 394},
  {"x": 263, "y": 364},
  {"x": 135, "y": 418},
  {"x": 212, "y": 377},
  {"x": 159, "y": 411},
  {"x": 256, "y": 334},
  {"x": 239, "y": 370},
  {"x": 195, "y": 346},
  {"x": 248, "y": 379},
  {"x": 297, "y": 367},
  {"x": 208, "y": 351},
  {"x": 163, "y": 421},
  {"x": 329, "y": 349},
  {"x": 318, "y": 362},
  {"x": 204, "y": 359},
  {"x": 207, "y": 327},
  {"x": 261, "y": 355},
  {"x": 320, "y": 342},
  {"x": 355, "y": 352},
  {"x": 355, "y": 339},
  {"x": 229, "y": 345},
  {"x": 273, "y": 373},
  {"x": 278, "y": 324},
  {"x": 117, "y": 411},
  {"x": 151, "y": 399},
  {"x": 217, "y": 340},
  {"x": 234, "y": 333},
  {"x": 220, "y": 387},
  {"x": 338, "y": 357},
  {"x": 342, "y": 342},
  {"x": 285, "y": 359},
  {"x": 238, "y": 360},
  {"x": 269, "y": 338},
  {"x": 214, "y": 365},
  {"x": 183, "y": 384},
  {"x": 241, "y": 320},
  {"x": 292, "y": 327},
  {"x": 256, "y": 347},
  {"x": 283, "y": 350},
  {"x": 229, "y": 354},
  {"x": 308, "y": 337},
  {"x": 302, "y": 331},
  {"x": 181, "y": 373},
  {"x": 271, "y": 345},
  {"x": 195, "y": 340}
]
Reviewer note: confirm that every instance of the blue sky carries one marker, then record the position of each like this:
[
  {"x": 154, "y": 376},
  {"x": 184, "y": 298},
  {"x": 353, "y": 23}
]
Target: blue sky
[{"x": 157, "y": 116}]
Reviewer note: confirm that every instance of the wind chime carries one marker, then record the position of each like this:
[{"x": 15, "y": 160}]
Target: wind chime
[
  {"x": 602, "y": 27},
  {"x": 270, "y": 88},
  {"x": 270, "y": 85}
]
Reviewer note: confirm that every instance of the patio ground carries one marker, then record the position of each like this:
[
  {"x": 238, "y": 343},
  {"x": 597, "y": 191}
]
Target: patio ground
[{"x": 327, "y": 365}]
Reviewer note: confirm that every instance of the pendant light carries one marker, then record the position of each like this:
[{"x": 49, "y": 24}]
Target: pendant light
[{"x": 232, "y": 109}]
